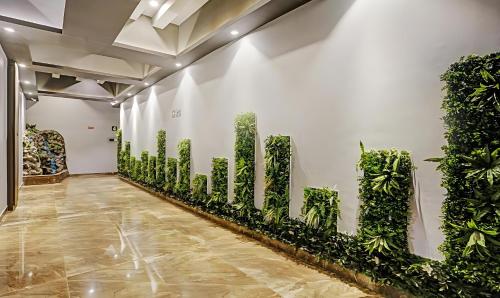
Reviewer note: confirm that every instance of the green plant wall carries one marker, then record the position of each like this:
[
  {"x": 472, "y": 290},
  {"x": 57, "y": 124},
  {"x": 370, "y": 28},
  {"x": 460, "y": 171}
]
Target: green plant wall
[
  {"x": 277, "y": 179},
  {"x": 137, "y": 171},
  {"x": 144, "y": 171},
  {"x": 200, "y": 190},
  {"x": 119, "y": 150},
  {"x": 219, "y": 180},
  {"x": 151, "y": 180},
  {"x": 171, "y": 178},
  {"x": 182, "y": 188},
  {"x": 471, "y": 170},
  {"x": 126, "y": 159},
  {"x": 320, "y": 209},
  {"x": 161, "y": 141},
  {"x": 244, "y": 180},
  {"x": 385, "y": 191},
  {"x": 133, "y": 173}
]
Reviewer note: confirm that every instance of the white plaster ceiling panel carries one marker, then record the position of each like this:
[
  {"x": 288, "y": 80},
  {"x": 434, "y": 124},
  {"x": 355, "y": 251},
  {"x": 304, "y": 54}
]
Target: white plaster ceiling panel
[{"x": 43, "y": 12}]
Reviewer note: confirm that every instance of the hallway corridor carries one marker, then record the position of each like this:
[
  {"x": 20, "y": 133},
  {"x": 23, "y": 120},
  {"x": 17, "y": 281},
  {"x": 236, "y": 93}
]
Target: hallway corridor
[{"x": 96, "y": 236}]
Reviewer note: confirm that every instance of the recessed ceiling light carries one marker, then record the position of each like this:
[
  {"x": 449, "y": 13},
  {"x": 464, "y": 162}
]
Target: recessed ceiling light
[
  {"x": 146, "y": 84},
  {"x": 154, "y": 3},
  {"x": 178, "y": 64},
  {"x": 234, "y": 32},
  {"x": 22, "y": 65},
  {"x": 8, "y": 29}
]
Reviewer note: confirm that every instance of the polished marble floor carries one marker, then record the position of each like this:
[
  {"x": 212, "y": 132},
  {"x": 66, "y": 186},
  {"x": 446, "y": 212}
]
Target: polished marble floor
[{"x": 96, "y": 236}]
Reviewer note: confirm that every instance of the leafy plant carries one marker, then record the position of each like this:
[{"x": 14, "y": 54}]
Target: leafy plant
[
  {"x": 126, "y": 160},
  {"x": 137, "y": 170},
  {"x": 182, "y": 188},
  {"x": 119, "y": 135},
  {"x": 380, "y": 240},
  {"x": 171, "y": 176},
  {"x": 483, "y": 165},
  {"x": 246, "y": 130},
  {"x": 161, "y": 142},
  {"x": 151, "y": 180},
  {"x": 320, "y": 209},
  {"x": 219, "y": 181},
  {"x": 133, "y": 173},
  {"x": 277, "y": 179},
  {"x": 485, "y": 204},
  {"x": 144, "y": 171},
  {"x": 478, "y": 239},
  {"x": 200, "y": 189}
]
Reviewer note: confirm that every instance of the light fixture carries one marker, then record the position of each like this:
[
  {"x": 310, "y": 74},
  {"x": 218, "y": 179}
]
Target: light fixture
[
  {"x": 8, "y": 29},
  {"x": 22, "y": 65},
  {"x": 129, "y": 94},
  {"x": 234, "y": 32},
  {"x": 154, "y": 3},
  {"x": 27, "y": 82},
  {"x": 30, "y": 93},
  {"x": 146, "y": 84},
  {"x": 178, "y": 64}
]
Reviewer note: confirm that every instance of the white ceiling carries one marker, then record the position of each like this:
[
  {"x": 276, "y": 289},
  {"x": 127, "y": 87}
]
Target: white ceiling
[
  {"x": 43, "y": 12},
  {"x": 175, "y": 11}
]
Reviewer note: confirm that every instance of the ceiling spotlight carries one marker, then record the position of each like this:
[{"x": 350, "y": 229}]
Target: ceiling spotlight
[
  {"x": 22, "y": 65},
  {"x": 234, "y": 32},
  {"x": 146, "y": 84},
  {"x": 178, "y": 64},
  {"x": 8, "y": 29},
  {"x": 154, "y": 3}
]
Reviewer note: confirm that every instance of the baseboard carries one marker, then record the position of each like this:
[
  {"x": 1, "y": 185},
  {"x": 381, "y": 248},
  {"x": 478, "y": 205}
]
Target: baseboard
[{"x": 94, "y": 174}]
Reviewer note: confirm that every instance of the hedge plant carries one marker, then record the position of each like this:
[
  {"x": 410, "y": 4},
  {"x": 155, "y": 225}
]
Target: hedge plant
[
  {"x": 200, "y": 190},
  {"x": 133, "y": 174},
  {"x": 244, "y": 180},
  {"x": 183, "y": 185},
  {"x": 277, "y": 179},
  {"x": 144, "y": 162},
  {"x": 171, "y": 178},
  {"x": 471, "y": 170},
  {"x": 119, "y": 135},
  {"x": 151, "y": 180},
  {"x": 320, "y": 209},
  {"x": 126, "y": 159},
  {"x": 219, "y": 181},
  {"x": 385, "y": 190},
  {"x": 137, "y": 170},
  {"x": 161, "y": 141}
]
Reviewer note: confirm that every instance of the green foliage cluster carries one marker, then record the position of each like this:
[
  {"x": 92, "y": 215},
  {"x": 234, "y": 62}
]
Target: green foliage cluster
[
  {"x": 137, "y": 171},
  {"x": 183, "y": 185},
  {"x": 200, "y": 188},
  {"x": 126, "y": 159},
  {"x": 144, "y": 171},
  {"x": 119, "y": 135},
  {"x": 219, "y": 181},
  {"x": 133, "y": 173},
  {"x": 320, "y": 209},
  {"x": 171, "y": 178},
  {"x": 471, "y": 170},
  {"x": 161, "y": 142},
  {"x": 244, "y": 180},
  {"x": 385, "y": 189},
  {"x": 277, "y": 179},
  {"x": 151, "y": 180}
]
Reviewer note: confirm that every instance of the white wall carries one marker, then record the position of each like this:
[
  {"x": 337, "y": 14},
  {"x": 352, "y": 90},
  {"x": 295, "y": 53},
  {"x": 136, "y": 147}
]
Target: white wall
[
  {"x": 88, "y": 150},
  {"x": 329, "y": 74},
  {"x": 3, "y": 131},
  {"x": 21, "y": 126}
]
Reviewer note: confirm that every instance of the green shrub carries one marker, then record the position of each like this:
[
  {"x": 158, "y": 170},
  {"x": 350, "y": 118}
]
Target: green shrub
[
  {"x": 471, "y": 170},
  {"x": 246, "y": 130},
  {"x": 133, "y": 174},
  {"x": 126, "y": 159},
  {"x": 119, "y": 150},
  {"x": 200, "y": 192},
  {"x": 137, "y": 171},
  {"x": 171, "y": 176},
  {"x": 182, "y": 188},
  {"x": 144, "y": 171},
  {"x": 219, "y": 180},
  {"x": 151, "y": 181},
  {"x": 277, "y": 179},
  {"x": 320, "y": 209},
  {"x": 385, "y": 190},
  {"x": 161, "y": 141}
]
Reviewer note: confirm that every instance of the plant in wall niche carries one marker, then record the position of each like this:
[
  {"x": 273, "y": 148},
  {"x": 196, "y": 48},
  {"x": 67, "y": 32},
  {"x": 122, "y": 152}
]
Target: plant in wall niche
[
  {"x": 471, "y": 171},
  {"x": 277, "y": 179},
  {"x": 320, "y": 209},
  {"x": 182, "y": 187},
  {"x": 219, "y": 181},
  {"x": 119, "y": 150},
  {"x": 385, "y": 189},
  {"x": 161, "y": 141},
  {"x": 137, "y": 171},
  {"x": 244, "y": 180},
  {"x": 200, "y": 192},
  {"x": 151, "y": 180},
  {"x": 144, "y": 171},
  {"x": 171, "y": 176},
  {"x": 126, "y": 159}
]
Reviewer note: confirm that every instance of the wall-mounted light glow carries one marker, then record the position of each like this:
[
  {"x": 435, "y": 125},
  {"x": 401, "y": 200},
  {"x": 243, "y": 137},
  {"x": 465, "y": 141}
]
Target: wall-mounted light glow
[
  {"x": 154, "y": 3},
  {"x": 129, "y": 94},
  {"x": 234, "y": 32},
  {"x": 178, "y": 64},
  {"x": 27, "y": 82},
  {"x": 8, "y": 29},
  {"x": 146, "y": 84},
  {"x": 22, "y": 65},
  {"x": 30, "y": 93}
]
